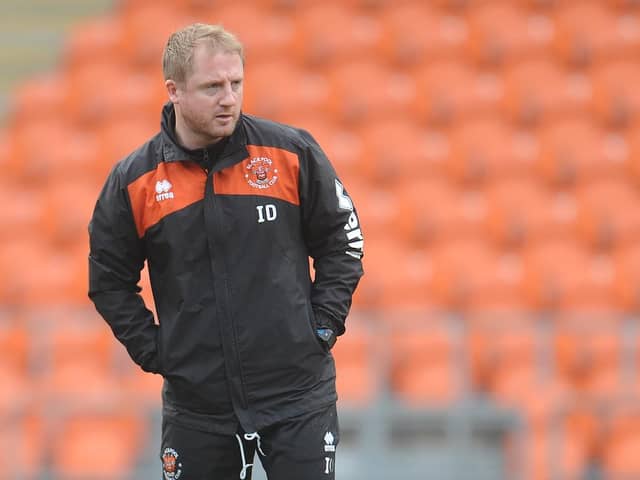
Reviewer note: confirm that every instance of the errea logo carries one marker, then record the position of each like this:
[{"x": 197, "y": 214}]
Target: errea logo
[
  {"x": 163, "y": 192},
  {"x": 329, "y": 445}
]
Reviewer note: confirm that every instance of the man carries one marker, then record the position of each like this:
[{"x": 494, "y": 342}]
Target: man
[{"x": 226, "y": 209}]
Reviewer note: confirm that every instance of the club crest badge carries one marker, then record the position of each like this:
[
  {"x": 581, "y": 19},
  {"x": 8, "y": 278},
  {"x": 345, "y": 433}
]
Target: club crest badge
[
  {"x": 261, "y": 172},
  {"x": 171, "y": 469}
]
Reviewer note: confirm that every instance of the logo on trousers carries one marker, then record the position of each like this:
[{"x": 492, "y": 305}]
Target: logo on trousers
[
  {"x": 329, "y": 446},
  {"x": 171, "y": 468}
]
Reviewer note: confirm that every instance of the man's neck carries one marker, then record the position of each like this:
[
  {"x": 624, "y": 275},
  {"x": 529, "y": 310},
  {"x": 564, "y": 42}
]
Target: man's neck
[{"x": 190, "y": 141}]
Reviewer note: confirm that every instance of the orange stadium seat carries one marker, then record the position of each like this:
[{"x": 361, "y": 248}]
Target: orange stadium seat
[
  {"x": 503, "y": 355},
  {"x": 119, "y": 139},
  {"x": 79, "y": 360},
  {"x": 354, "y": 35},
  {"x": 414, "y": 33},
  {"x": 14, "y": 256},
  {"x": 535, "y": 455},
  {"x": 588, "y": 357},
  {"x": 364, "y": 5},
  {"x": 15, "y": 365},
  {"x": 450, "y": 91},
  {"x": 25, "y": 213},
  {"x": 98, "y": 446},
  {"x": 62, "y": 225},
  {"x": 43, "y": 152},
  {"x": 344, "y": 147},
  {"x": 502, "y": 32},
  {"x": 614, "y": 221},
  {"x": 385, "y": 95},
  {"x": 541, "y": 5},
  {"x": 92, "y": 40},
  {"x": 622, "y": 443},
  {"x": 624, "y": 6},
  {"x": 122, "y": 91},
  {"x": 7, "y": 142},
  {"x": 145, "y": 388},
  {"x": 540, "y": 90},
  {"x": 487, "y": 149},
  {"x": 34, "y": 145},
  {"x": 377, "y": 209},
  {"x": 144, "y": 32},
  {"x": 562, "y": 275},
  {"x": 631, "y": 145},
  {"x": 471, "y": 275},
  {"x": 575, "y": 150},
  {"x": 627, "y": 277},
  {"x": 38, "y": 273},
  {"x": 37, "y": 99},
  {"x": 423, "y": 365},
  {"x": 72, "y": 157},
  {"x": 578, "y": 434},
  {"x": 396, "y": 151},
  {"x": 281, "y": 90},
  {"x": 616, "y": 101},
  {"x": 357, "y": 372},
  {"x": 183, "y": 6},
  {"x": 450, "y": 6},
  {"x": 522, "y": 211},
  {"x": 433, "y": 210},
  {"x": 265, "y": 35},
  {"x": 69, "y": 343},
  {"x": 398, "y": 278},
  {"x": 25, "y": 439},
  {"x": 589, "y": 32},
  {"x": 14, "y": 345}
]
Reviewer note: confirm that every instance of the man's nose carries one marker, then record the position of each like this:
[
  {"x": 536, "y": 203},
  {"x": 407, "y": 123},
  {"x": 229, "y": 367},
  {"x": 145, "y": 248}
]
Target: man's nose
[{"x": 228, "y": 96}]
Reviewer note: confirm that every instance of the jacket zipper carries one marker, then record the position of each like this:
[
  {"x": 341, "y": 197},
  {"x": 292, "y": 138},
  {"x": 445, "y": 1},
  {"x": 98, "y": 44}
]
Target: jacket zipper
[{"x": 218, "y": 225}]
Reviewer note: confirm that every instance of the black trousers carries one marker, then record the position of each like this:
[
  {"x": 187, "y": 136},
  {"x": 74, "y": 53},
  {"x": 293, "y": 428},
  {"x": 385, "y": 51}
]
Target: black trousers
[{"x": 300, "y": 448}]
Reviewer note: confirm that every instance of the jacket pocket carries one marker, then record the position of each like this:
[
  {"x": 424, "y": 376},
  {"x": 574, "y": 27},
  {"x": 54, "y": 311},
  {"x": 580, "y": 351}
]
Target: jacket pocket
[
  {"x": 314, "y": 326},
  {"x": 159, "y": 350}
]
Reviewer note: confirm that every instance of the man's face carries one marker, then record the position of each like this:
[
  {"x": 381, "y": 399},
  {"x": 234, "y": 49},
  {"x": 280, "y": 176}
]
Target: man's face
[{"x": 210, "y": 99}]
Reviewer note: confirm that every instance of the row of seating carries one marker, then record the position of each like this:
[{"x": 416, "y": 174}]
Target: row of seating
[
  {"x": 105, "y": 445},
  {"x": 440, "y": 93},
  {"x": 560, "y": 154},
  {"x": 456, "y": 273},
  {"x": 508, "y": 214},
  {"x": 488, "y": 32},
  {"x": 493, "y": 208},
  {"x": 375, "y": 5},
  {"x": 450, "y": 272},
  {"x": 91, "y": 444},
  {"x": 422, "y": 360},
  {"x": 585, "y": 368},
  {"x": 579, "y": 442}
]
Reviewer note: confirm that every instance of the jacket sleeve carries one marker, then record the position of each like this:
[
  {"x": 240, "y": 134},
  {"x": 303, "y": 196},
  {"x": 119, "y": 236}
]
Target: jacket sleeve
[
  {"x": 116, "y": 258},
  {"x": 334, "y": 238}
]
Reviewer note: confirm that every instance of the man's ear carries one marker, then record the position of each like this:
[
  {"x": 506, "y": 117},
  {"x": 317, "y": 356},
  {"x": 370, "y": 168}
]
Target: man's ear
[{"x": 172, "y": 90}]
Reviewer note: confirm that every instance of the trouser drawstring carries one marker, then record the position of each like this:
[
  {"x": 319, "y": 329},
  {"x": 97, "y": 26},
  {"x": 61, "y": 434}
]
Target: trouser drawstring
[{"x": 248, "y": 437}]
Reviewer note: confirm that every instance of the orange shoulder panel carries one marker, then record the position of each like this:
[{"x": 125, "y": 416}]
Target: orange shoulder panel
[
  {"x": 268, "y": 171},
  {"x": 169, "y": 188}
]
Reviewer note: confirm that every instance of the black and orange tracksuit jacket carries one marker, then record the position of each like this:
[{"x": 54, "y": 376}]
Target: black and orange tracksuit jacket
[{"x": 227, "y": 234}]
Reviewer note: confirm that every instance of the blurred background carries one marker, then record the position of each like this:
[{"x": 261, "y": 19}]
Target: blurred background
[{"x": 492, "y": 148}]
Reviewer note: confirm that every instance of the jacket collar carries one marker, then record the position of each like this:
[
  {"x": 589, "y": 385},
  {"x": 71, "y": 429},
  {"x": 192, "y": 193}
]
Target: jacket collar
[{"x": 233, "y": 149}]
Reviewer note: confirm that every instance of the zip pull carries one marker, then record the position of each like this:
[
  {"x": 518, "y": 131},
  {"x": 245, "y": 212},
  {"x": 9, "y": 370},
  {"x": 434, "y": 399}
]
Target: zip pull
[{"x": 205, "y": 161}]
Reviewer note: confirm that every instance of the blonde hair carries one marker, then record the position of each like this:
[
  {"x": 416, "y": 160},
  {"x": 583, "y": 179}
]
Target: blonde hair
[{"x": 177, "y": 58}]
